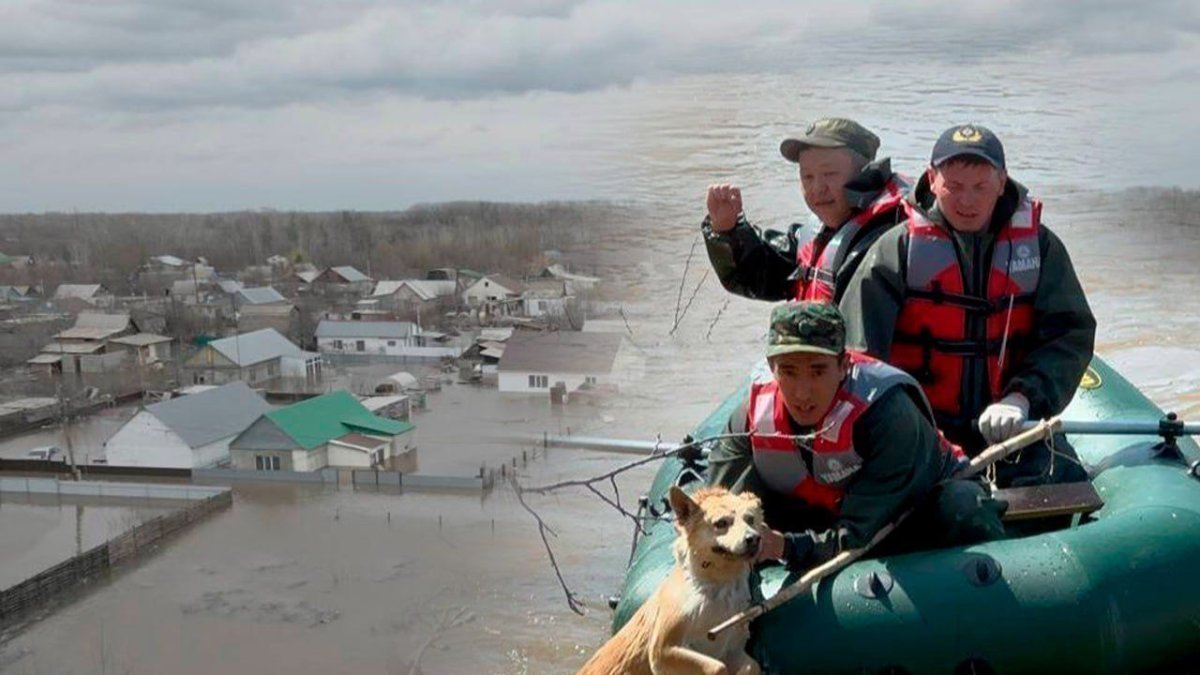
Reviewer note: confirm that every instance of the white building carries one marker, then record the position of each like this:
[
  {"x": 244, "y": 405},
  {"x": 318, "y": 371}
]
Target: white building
[
  {"x": 533, "y": 363},
  {"x": 493, "y": 288},
  {"x": 383, "y": 340},
  {"x": 546, "y": 297},
  {"x": 188, "y": 432}
]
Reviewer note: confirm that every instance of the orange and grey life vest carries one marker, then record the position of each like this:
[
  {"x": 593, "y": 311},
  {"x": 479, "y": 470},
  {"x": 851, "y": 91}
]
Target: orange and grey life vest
[
  {"x": 818, "y": 258},
  {"x": 931, "y": 341},
  {"x": 779, "y": 457}
]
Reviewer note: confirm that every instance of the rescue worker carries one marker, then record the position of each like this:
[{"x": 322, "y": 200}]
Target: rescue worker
[
  {"x": 977, "y": 299},
  {"x": 854, "y": 198},
  {"x": 837, "y": 444}
]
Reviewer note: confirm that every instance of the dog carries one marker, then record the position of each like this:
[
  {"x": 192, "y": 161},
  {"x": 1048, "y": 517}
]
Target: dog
[{"x": 719, "y": 537}]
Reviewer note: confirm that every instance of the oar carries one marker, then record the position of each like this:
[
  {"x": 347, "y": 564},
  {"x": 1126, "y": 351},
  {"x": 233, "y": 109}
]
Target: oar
[
  {"x": 1127, "y": 427},
  {"x": 991, "y": 455}
]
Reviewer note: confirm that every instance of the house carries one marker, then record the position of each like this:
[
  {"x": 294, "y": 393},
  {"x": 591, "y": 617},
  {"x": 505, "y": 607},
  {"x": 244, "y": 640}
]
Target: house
[
  {"x": 330, "y": 430},
  {"x": 409, "y": 297},
  {"x": 147, "y": 348},
  {"x": 392, "y": 407},
  {"x": 304, "y": 277},
  {"x": 545, "y": 297},
  {"x": 83, "y": 348},
  {"x": 188, "y": 432},
  {"x": 95, "y": 295},
  {"x": 383, "y": 341},
  {"x": 492, "y": 288},
  {"x": 259, "y": 358},
  {"x": 344, "y": 279},
  {"x": 284, "y": 318},
  {"x": 535, "y": 362},
  {"x": 191, "y": 290},
  {"x": 264, "y": 295}
]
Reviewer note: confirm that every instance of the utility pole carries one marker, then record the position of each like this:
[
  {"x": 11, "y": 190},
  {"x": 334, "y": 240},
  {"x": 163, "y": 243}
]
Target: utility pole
[{"x": 65, "y": 420}]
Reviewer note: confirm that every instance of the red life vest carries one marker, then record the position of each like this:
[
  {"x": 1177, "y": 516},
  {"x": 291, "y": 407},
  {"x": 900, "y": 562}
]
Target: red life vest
[
  {"x": 931, "y": 341},
  {"x": 778, "y": 457},
  {"x": 819, "y": 259}
]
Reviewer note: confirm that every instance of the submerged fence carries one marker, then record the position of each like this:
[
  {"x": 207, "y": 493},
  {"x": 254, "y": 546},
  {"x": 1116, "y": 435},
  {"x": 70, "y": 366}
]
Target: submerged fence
[{"x": 41, "y": 590}]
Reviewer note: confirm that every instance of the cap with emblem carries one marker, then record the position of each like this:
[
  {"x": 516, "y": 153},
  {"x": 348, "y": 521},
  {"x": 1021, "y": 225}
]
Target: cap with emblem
[
  {"x": 968, "y": 139},
  {"x": 812, "y": 327},
  {"x": 832, "y": 132}
]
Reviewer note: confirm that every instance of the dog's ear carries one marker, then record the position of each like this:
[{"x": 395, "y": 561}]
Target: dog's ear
[{"x": 681, "y": 504}]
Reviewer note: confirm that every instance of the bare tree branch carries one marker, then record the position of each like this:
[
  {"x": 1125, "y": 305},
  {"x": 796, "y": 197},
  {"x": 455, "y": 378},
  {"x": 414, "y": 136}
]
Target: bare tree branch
[
  {"x": 679, "y": 318},
  {"x": 683, "y": 279},
  {"x": 716, "y": 319},
  {"x": 574, "y": 603}
]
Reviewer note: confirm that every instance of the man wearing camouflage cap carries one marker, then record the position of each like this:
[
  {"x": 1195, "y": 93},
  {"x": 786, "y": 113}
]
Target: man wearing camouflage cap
[
  {"x": 837, "y": 444},
  {"x": 853, "y": 197},
  {"x": 978, "y": 300}
]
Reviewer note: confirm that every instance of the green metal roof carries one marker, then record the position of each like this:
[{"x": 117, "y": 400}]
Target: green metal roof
[{"x": 319, "y": 420}]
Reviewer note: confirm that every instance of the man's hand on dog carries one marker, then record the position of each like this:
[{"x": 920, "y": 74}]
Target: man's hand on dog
[{"x": 771, "y": 547}]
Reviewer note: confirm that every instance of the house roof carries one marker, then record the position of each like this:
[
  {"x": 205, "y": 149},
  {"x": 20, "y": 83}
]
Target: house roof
[
  {"x": 350, "y": 274},
  {"x": 319, "y": 420},
  {"x": 170, "y": 260},
  {"x": 255, "y": 347},
  {"x": 426, "y": 289},
  {"x": 509, "y": 284},
  {"x": 268, "y": 310},
  {"x": 561, "y": 352},
  {"x": 264, "y": 295},
  {"x": 45, "y": 359},
  {"x": 141, "y": 339},
  {"x": 229, "y": 286},
  {"x": 72, "y": 347},
  {"x": 307, "y": 276},
  {"x": 365, "y": 329},
  {"x": 95, "y": 326},
  {"x": 556, "y": 271},
  {"x": 545, "y": 288},
  {"x": 81, "y": 291},
  {"x": 200, "y": 419},
  {"x": 360, "y": 441}
]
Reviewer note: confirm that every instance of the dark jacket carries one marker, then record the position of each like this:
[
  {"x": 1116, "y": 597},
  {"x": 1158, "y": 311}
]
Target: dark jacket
[
  {"x": 1065, "y": 329},
  {"x": 902, "y": 461},
  {"x": 761, "y": 265}
]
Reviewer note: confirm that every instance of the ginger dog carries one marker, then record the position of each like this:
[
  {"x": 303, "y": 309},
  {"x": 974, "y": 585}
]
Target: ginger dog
[{"x": 717, "y": 544}]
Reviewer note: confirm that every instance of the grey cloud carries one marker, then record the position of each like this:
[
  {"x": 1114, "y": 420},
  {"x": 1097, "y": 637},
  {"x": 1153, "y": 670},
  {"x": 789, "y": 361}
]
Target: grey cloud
[{"x": 162, "y": 54}]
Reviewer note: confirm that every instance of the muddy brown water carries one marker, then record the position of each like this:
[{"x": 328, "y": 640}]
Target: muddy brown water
[{"x": 308, "y": 580}]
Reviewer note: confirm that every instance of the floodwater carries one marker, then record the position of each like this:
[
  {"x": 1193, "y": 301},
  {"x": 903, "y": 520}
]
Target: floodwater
[{"x": 304, "y": 580}]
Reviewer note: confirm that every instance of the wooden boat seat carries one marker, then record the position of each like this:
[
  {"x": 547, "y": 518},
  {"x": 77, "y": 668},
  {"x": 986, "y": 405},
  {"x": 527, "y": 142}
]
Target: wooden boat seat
[{"x": 1045, "y": 501}]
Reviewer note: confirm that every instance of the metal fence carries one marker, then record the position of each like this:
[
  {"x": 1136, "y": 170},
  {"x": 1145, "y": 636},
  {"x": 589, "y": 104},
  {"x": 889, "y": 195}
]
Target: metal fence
[
  {"x": 42, "y": 590},
  {"x": 54, "y": 486}
]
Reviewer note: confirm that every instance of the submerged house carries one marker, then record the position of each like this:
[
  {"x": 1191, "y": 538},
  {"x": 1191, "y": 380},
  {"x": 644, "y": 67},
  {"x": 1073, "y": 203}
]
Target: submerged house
[
  {"x": 188, "y": 432},
  {"x": 330, "y": 430}
]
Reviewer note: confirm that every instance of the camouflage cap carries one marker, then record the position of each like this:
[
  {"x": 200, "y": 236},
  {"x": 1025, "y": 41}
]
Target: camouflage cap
[
  {"x": 813, "y": 327},
  {"x": 832, "y": 132}
]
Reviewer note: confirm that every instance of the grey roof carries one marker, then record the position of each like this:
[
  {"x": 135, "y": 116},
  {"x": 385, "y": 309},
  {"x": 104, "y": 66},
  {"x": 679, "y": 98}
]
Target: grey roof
[
  {"x": 264, "y": 295},
  {"x": 95, "y": 326},
  {"x": 560, "y": 352},
  {"x": 256, "y": 347},
  {"x": 229, "y": 286},
  {"x": 83, "y": 291},
  {"x": 365, "y": 329},
  {"x": 350, "y": 274},
  {"x": 200, "y": 419},
  {"x": 141, "y": 339}
]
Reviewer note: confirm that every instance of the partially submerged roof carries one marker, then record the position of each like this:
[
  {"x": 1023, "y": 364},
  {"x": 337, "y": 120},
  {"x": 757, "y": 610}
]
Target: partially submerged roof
[
  {"x": 264, "y": 295},
  {"x": 72, "y": 347},
  {"x": 561, "y": 352},
  {"x": 365, "y": 329},
  {"x": 506, "y": 282},
  {"x": 44, "y": 359},
  {"x": 95, "y": 326},
  {"x": 255, "y": 347},
  {"x": 319, "y": 420},
  {"x": 200, "y": 419}
]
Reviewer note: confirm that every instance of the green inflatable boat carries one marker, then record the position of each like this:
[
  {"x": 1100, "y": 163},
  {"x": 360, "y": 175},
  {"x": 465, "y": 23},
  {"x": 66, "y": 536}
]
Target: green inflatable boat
[{"x": 1111, "y": 593}]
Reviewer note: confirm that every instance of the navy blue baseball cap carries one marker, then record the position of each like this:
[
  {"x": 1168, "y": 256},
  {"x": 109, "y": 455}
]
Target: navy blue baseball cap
[{"x": 968, "y": 139}]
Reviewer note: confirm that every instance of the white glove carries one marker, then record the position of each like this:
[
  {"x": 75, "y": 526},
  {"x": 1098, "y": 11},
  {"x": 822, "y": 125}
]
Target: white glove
[{"x": 1003, "y": 419}]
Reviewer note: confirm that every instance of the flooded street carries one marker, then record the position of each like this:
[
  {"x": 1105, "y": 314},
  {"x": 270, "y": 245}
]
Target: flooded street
[{"x": 306, "y": 580}]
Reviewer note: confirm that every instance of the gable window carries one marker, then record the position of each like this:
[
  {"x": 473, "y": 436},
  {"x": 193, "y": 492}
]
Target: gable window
[{"x": 266, "y": 463}]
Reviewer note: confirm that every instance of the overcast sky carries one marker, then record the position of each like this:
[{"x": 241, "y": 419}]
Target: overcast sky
[{"x": 226, "y": 104}]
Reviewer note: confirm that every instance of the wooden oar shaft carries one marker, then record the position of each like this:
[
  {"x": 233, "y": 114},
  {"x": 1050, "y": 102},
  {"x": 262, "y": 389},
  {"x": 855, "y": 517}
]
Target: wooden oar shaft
[{"x": 988, "y": 457}]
